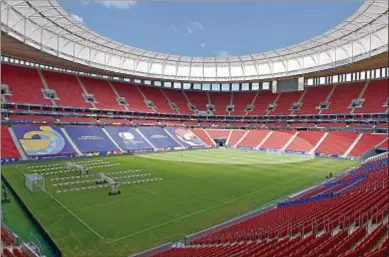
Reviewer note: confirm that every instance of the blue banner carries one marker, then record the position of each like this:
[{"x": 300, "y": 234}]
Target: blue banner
[
  {"x": 90, "y": 139},
  {"x": 42, "y": 140},
  {"x": 158, "y": 137},
  {"x": 128, "y": 138},
  {"x": 185, "y": 137}
]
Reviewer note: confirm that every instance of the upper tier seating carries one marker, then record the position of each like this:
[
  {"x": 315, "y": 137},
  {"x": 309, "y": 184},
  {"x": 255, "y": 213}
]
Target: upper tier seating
[
  {"x": 342, "y": 96},
  {"x": 375, "y": 97},
  {"x": 177, "y": 97},
  {"x": 262, "y": 102},
  {"x": 312, "y": 98},
  {"x": 103, "y": 93},
  {"x": 8, "y": 148},
  {"x": 241, "y": 100},
  {"x": 367, "y": 142},
  {"x": 160, "y": 102},
  {"x": 199, "y": 99},
  {"x": 285, "y": 102},
  {"x": 278, "y": 139},
  {"x": 305, "y": 141},
  {"x": 220, "y": 101},
  {"x": 68, "y": 89},
  {"x": 134, "y": 98},
  {"x": 25, "y": 85},
  {"x": 337, "y": 142}
]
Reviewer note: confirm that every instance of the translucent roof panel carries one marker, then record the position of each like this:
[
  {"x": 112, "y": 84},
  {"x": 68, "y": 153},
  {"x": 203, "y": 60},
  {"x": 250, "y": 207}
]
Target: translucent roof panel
[{"x": 45, "y": 25}]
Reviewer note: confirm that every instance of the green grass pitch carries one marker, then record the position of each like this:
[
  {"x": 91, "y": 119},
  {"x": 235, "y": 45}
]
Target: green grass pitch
[{"x": 198, "y": 189}]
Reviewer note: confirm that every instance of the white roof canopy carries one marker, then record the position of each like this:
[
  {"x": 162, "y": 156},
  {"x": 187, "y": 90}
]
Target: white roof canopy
[{"x": 46, "y": 26}]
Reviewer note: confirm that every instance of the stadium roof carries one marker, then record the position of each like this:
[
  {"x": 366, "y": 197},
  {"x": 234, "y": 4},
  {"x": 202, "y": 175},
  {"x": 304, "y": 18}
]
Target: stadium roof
[{"x": 46, "y": 26}]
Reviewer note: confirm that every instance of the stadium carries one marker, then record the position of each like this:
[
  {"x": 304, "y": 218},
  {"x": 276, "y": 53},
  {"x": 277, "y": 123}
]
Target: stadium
[{"x": 112, "y": 150}]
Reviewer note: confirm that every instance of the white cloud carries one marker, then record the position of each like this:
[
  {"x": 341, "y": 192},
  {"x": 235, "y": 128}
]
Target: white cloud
[
  {"x": 78, "y": 18},
  {"x": 120, "y": 4},
  {"x": 189, "y": 31},
  {"x": 174, "y": 28},
  {"x": 222, "y": 53},
  {"x": 202, "y": 45},
  {"x": 197, "y": 25},
  {"x": 84, "y": 3}
]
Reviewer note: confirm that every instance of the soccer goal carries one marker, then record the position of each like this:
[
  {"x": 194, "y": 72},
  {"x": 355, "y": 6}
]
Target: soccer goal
[{"x": 35, "y": 182}]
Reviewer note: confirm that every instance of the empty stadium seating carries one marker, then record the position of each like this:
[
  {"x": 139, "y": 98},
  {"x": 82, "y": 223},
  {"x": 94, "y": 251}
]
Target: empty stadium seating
[
  {"x": 262, "y": 101},
  {"x": 158, "y": 98},
  {"x": 374, "y": 97},
  {"x": 241, "y": 100},
  {"x": 305, "y": 141},
  {"x": 70, "y": 93},
  {"x": 220, "y": 101},
  {"x": 25, "y": 85},
  {"x": 104, "y": 95},
  {"x": 177, "y": 97},
  {"x": 8, "y": 148},
  {"x": 337, "y": 142},
  {"x": 134, "y": 98},
  {"x": 198, "y": 99},
  {"x": 285, "y": 102},
  {"x": 253, "y": 138},
  {"x": 218, "y": 133},
  {"x": 342, "y": 96},
  {"x": 278, "y": 139},
  {"x": 236, "y": 135},
  {"x": 203, "y": 135},
  {"x": 367, "y": 142},
  {"x": 348, "y": 221},
  {"x": 67, "y": 88},
  {"x": 312, "y": 98}
]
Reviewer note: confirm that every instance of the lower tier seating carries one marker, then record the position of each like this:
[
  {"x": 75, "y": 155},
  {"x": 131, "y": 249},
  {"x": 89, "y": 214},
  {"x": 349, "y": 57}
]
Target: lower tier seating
[
  {"x": 305, "y": 141},
  {"x": 367, "y": 142},
  {"x": 8, "y": 148},
  {"x": 349, "y": 222},
  {"x": 337, "y": 142}
]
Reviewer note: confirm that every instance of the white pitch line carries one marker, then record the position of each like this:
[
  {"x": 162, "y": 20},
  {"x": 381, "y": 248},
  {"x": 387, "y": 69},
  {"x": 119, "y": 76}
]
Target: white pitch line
[
  {"x": 67, "y": 209},
  {"x": 196, "y": 212},
  {"x": 78, "y": 218}
]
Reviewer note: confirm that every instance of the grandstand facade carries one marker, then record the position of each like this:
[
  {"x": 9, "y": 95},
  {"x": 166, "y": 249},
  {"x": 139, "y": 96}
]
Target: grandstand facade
[{"x": 326, "y": 97}]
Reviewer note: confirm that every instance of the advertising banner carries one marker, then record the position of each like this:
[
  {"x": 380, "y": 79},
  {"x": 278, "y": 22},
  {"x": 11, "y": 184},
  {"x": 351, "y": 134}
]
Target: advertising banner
[
  {"x": 41, "y": 140},
  {"x": 185, "y": 137},
  {"x": 158, "y": 137},
  {"x": 90, "y": 139},
  {"x": 128, "y": 138}
]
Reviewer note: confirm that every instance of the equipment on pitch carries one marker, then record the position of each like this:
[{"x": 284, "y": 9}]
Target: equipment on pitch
[
  {"x": 114, "y": 185},
  {"x": 35, "y": 182},
  {"x": 77, "y": 167}
]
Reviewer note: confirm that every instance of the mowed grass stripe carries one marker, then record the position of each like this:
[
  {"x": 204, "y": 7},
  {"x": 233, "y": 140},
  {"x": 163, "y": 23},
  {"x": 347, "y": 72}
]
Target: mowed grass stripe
[
  {"x": 227, "y": 156},
  {"x": 192, "y": 196}
]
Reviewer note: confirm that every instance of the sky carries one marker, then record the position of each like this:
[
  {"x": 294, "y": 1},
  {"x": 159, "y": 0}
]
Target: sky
[{"x": 210, "y": 28}]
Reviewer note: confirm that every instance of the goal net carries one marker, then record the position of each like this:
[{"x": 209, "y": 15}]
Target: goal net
[{"x": 35, "y": 182}]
